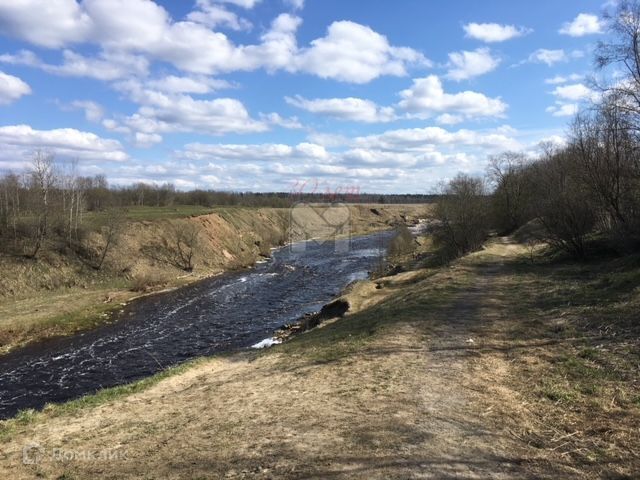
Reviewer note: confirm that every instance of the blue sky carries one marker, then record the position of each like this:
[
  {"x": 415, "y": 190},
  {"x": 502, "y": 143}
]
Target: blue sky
[{"x": 266, "y": 94}]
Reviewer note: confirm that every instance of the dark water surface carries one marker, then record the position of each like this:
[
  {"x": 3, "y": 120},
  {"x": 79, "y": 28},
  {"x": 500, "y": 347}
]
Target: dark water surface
[{"x": 228, "y": 312}]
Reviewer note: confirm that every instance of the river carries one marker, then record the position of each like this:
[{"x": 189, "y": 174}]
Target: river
[{"x": 220, "y": 314}]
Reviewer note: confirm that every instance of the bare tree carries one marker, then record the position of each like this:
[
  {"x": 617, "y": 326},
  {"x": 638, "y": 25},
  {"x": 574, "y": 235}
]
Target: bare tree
[
  {"x": 563, "y": 203},
  {"x": 109, "y": 231},
  {"x": 43, "y": 180},
  {"x": 623, "y": 50},
  {"x": 608, "y": 154},
  {"x": 512, "y": 192}
]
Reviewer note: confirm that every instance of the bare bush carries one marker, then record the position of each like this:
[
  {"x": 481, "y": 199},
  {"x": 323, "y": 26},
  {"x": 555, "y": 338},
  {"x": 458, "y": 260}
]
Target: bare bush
[
  {"x": 145, "y": 281},
  {"x": 402, "y": 242},
  {"x": 462, "y": 216},
  {"x": 177, "y": 245}
]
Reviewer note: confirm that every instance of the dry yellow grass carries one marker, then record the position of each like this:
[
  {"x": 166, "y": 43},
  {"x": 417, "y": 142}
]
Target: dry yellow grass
[{"x": 432, "y": 376}]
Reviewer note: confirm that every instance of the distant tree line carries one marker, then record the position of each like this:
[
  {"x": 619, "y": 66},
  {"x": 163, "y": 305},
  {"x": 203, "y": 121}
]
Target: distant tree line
[
  {"x": 52, "y": 205},
  {"x": 589, "y": 188}
]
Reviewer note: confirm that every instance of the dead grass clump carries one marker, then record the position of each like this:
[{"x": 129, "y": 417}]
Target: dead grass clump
[{"x": 146, "y": 281}]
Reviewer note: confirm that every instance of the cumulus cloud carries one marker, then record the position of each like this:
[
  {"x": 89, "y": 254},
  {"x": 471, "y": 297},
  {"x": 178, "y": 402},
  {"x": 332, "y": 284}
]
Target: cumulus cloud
[
  {"x": 355, "y": 53},
  {"x": 389, "y": 155},
  {"x": 449, "y": 119},
  {"x": 560, "y": 79},
  {"x": 278, "y": 120},
  {"x": 162, "y": 112},
  {"x": 583, "y": 24},
  {"x": 107, "y": 66},
  {"x": 575, "y": 92},
  {"x": 549, "y": 57},
  {"x": 349, "y": 51},
  {"x": 568, "y": 98},
  {"x": 213, "y": 15},
  {"x": 248, "y": 4},
  {"x": 494, "y": 32},
  {"x": 93, "y": 111},
  {"x": 427, "y": 97},
  {"x": 46, "y": 23},
  {"x": 424, "y": 139},
  {"x": 248, "y": 152},
  {"x": 295, "y": 4},
  {"x": 66, "y": 142},
  {"x": 465, "y": 64},
  {"x": 351, "y": 109},
  {"x": 198, "y": 85},
  {"x": 12, "y": 88},
  {"x": 182, "y": 113},
  {"x": 563, "y": 109}
]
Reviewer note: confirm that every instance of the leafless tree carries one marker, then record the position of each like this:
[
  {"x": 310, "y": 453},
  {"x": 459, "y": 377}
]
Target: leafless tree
[
  {"x": 563, "y": 203},
  {"x": 109, "y": 231},
  {"x": 42, "y": 181},
  {"x": 512, "y": 190}
]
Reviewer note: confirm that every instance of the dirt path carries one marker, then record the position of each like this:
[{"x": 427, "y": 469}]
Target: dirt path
[{"x": 424, "y": 395}]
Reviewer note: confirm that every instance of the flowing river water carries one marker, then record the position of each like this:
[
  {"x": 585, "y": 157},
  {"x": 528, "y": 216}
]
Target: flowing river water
[{"x": 228, "y": 312}]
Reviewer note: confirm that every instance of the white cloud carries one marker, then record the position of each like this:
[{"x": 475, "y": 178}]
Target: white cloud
[
  {"x": 424, "y": 139},
  {"x": 280, "y": 121},
  {"x": 295, "y": 4},
  {"x": 494, "y": 32},
  {"x": 329, "y": 140},
  {"x": 349, "y": 52},
  {"x": 248, "y": 4},
  {"x": 107, "y": 66},
  {"x": 575, "y": 92},
  {"x": 351, "y": 109},
  {"x": 182, "y": 113},
  {"x": 247, "y": 152},
  {"x": 93, "y": 112},
  {"x": 47, "y": 23},
  {"x": 560, "y": 79},
  {"x": 185, "y": 84},
  {"x": 568, "y": 98},
  {"x": 66, "y": 142},
  {"x": 355, "y": 53},
  {"x": 165, "y": 113},
  {"x": 311, "y": 159},
  {"x": 213, "y": 15},
  {"x": 465, "y": 64},
  {"x": 563, "y": 109},
  {"x": 449, "y": 119},
  {"x": 427, "y": 97},
  {"x": 146, "y": 140},
  {"x": 543, "y": 55},
  {"x": 12, "y": 88},
  {"x": 583, "y": 24}
]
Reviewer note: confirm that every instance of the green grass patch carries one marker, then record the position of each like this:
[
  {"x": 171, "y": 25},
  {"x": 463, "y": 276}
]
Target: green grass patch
[{"x": 556, "y": 392}]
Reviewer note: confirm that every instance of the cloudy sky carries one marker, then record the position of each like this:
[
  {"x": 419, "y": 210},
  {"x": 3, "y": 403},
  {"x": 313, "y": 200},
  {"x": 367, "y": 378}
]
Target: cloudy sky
[{"x": 267, "y": 94}]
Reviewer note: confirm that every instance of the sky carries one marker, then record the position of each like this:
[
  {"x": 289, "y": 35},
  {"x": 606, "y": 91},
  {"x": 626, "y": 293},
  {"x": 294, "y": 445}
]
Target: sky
[{"x": 280, "y": 95}]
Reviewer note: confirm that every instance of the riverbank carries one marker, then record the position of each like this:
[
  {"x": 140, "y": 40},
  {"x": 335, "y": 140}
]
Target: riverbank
[
  {"x": 59, "y": 295},
  {"x": 478, "y": 370}
]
